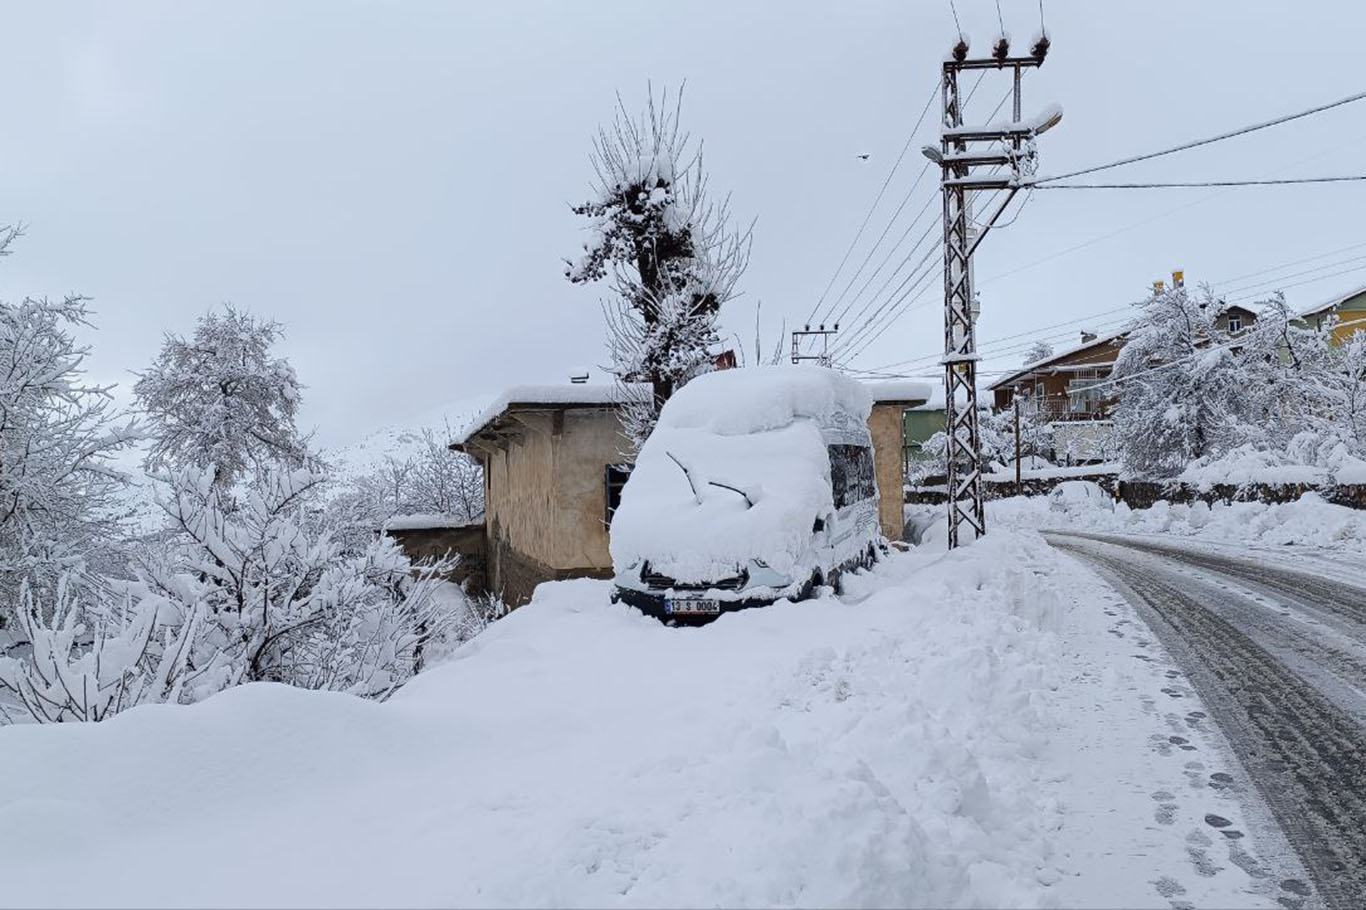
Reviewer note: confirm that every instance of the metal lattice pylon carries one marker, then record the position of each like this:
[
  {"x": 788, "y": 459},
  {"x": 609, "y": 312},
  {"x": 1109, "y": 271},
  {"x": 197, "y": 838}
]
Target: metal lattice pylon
[{"x": 1016, "y": 152}]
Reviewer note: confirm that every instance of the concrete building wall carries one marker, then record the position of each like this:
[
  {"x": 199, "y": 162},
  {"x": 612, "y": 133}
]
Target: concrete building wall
[
  {"x": 885, "y": 424},
  {"x": 547, "y": 499}
]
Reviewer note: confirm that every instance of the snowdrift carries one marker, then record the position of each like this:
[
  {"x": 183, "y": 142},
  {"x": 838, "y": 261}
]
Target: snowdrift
[
  {"x": 825, "y": 753},
  {"x": 1309, "y": 522}
]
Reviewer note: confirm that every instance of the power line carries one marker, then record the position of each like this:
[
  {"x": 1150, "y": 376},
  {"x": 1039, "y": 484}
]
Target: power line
[
  {"x": 1275, "y": 281},
  {"x": 1285, "y": 265},
  {"x": 892, "y": 299},
  {"x": 872, "y": 208},
  {"x": 890, "y": 278},
  {"x": 1297, "y": 284},
  {"x": 1200, "y": 183},
  {"x": 1242, "y": 131},
  {"x": 899, "y": 309},
  {"x": 905, "y": 199},
  {"x": 859, "y": 271}
]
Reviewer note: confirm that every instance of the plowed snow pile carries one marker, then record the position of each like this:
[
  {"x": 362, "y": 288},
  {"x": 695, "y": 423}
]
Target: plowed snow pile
[{"x": 882, "y": 749}]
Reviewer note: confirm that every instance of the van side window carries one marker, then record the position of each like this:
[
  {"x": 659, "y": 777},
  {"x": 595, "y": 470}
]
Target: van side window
[{"x": 851, "y": 474}]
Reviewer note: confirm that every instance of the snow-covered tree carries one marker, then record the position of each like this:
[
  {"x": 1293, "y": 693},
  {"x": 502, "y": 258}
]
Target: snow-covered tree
[
  {"x": 1182, "y": 389},
  {"x": 433, "y": 481},
  {"x": 1284, "y": 366},
  {"x": 58, "y": 486},
  {"x": 1346, "y": 386},
  {"x": 1040, "y": 350},
  {"x": 221, "y": 399},
  {"x": 667, "y": 249}
]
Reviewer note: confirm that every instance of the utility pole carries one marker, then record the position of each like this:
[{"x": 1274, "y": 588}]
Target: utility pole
[
  {"x": 1014, "y": 151},
  {"x": 1015, "y": 398},
  {"x": 824, "y": 334}
]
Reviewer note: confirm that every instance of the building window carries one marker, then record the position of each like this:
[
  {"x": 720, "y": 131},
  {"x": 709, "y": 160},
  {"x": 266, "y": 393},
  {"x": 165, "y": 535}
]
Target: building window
[
  {"x": 1235, "y": 323},
  {"x": 615, "y": 478}
]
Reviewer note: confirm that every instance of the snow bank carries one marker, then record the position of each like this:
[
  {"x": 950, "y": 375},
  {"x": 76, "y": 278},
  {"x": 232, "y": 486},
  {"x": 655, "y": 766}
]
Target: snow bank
[
  {"x": 1309, "y": 521},
  {"x": 826, "y": 753},
  {"x": 1309, "y": 458}
]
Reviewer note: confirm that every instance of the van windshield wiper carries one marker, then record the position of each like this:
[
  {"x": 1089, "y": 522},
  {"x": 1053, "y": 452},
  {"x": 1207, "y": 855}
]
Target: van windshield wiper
[
  {"x": 697, "y": 494},
  {"x": 749, "y": 503}
]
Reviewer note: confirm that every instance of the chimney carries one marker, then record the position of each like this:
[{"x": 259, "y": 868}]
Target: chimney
[{"x": 1087, "y": 337}]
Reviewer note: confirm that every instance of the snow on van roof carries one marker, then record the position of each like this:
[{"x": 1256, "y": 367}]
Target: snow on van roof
[
  {"x": 754, "y": 399},
  {"x": 578, "y": 394}
]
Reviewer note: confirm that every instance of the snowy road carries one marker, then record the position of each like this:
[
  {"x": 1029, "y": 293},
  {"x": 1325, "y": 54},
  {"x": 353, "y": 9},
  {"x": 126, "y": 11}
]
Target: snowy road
[{"x": 1279, "y": 656}]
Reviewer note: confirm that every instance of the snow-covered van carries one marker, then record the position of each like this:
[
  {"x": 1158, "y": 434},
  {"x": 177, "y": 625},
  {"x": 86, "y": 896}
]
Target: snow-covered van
[{"x": 756, "y": 485}]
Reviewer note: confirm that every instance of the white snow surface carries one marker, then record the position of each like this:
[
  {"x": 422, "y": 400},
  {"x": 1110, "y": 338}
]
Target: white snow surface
[
  {"x": 758, "y": 430},
  {"x": 826, "y": 753}
]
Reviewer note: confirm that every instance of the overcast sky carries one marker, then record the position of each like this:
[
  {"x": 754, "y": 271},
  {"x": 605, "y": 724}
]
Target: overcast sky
[{"x": 392, "y": 181}]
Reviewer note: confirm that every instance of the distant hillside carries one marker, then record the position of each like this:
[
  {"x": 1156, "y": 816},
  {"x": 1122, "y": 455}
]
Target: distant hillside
[{"x": 400, "y": 440}]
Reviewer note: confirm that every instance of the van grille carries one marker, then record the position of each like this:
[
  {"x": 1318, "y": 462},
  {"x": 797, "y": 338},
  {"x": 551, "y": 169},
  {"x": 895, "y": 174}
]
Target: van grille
[{"x": 660, "y": 581}]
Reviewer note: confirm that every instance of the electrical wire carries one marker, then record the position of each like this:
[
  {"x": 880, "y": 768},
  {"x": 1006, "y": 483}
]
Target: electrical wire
[
  {"x": 913, "y": 276},
  {"x": 1242, "y": 131},
  {"x": 872, "y": 250},
  {"x": 896, "y": 271},
  {"x": 872, "y": 208},
  {"x": 905, "y": 304},
  {"x": 1285, "y": 265},
  {"x": 1350, "y": 178},
  {"x": 1254, "y": 286},
  {"x": 1298, "y": 284}
]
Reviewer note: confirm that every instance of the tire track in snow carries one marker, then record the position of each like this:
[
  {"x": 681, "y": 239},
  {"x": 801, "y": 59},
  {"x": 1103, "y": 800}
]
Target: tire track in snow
[{"x": 1304, "y": 754}]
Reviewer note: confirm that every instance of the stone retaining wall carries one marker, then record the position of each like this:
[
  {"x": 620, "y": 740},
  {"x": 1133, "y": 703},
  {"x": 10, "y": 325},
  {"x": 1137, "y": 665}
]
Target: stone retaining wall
[{"x": 1141, "y": 494}]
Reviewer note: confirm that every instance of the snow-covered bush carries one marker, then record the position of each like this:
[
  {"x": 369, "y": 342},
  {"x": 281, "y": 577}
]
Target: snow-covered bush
[
  {"x": 86, "y": 660},
  {"x": 667, "y": 249},
  {"x": 58, "y": 487},
  {"x": 221, "y": 398}
]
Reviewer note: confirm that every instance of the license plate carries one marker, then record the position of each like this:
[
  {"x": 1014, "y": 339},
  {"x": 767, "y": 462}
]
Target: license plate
[{"x": 692, "y": 607}]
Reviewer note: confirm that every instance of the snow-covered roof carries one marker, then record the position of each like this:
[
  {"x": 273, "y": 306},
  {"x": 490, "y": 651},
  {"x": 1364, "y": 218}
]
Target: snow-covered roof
[
  {"x": 1333, "y": 301},
  {"x": 423, "y": 522},
  {"x": 1096, "y": 342},
  {"x": 552, "y": 396},
  {"x": 907, "y": 390}
]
